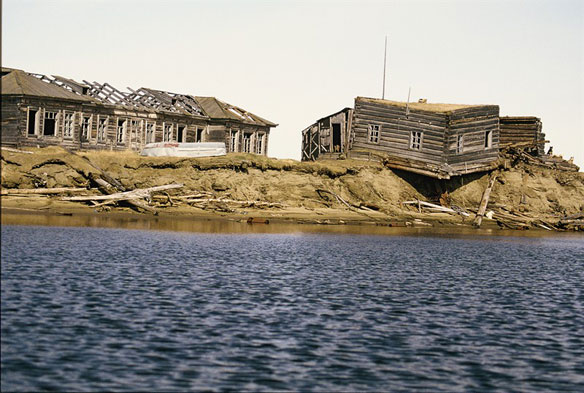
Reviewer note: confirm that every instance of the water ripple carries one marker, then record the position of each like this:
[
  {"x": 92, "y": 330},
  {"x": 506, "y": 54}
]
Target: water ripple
[{"x": 105, "y": 309}]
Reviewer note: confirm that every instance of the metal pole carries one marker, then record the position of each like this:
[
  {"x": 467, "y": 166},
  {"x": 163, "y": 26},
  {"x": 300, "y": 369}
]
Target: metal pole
[{"x": 384, "y": 67}]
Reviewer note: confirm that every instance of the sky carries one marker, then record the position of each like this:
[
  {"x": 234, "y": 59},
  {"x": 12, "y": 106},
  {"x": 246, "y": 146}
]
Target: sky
[{"x": 293, "y": 62}]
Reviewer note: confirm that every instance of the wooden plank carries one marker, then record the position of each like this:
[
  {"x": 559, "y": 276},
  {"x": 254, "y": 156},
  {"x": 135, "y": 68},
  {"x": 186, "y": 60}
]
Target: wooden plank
[{"x": 485, "y": 200}]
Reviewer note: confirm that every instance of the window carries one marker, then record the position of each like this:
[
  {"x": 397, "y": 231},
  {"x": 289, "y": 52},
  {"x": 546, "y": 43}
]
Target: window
[
  {"x": 121, "y": 131},
  {"x": 233, "y": 140},
  {"x": 416, "y": 140},
  {"x": 488, "y": 139},
  {"x": 50, "y": 123},
  {"x": 149, "y": 132},
  {"x": 134, "y": 130},
  {"x": 459, "y": 143},
  {"x": 180, "y": 133},
  {"x": 85, "y": 127},
  {"x": 102, "y": 128},
  {"x": 199, "y": 135},
  {"x": 32, "y": 121},
  {"x": 247, "y": 142},
  {"x": 259, "y": 143},
  {"x": 68, "y": 125},
  {"x": 374, "y": 133},
  {"x": 167, "y": 134}
]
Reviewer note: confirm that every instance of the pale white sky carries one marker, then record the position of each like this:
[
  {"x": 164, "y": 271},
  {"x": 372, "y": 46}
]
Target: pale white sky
[{"x": 293, "y": 62}]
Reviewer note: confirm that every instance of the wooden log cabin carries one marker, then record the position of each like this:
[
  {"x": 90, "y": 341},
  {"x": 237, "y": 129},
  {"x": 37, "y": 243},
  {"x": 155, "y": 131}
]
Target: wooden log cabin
[
  {"x": 437, "y": 140},
  {"x": 38, "y": 110},
  {"x": 525, "y": 130}
]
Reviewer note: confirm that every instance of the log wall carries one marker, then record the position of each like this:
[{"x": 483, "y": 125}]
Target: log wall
[
  {"x": 527, "y": 129},
  {"x": 396, "y": 129},
  {"x": 15, "y": 125},
  {"x": 474, "y": 125}
]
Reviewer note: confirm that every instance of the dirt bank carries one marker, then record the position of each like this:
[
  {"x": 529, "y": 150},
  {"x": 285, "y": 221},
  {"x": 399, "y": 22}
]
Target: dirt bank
[{"x": 239, "y": 186}]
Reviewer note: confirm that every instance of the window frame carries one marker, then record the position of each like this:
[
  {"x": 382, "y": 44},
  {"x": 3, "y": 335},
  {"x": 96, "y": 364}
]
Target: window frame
[
  {"x": 36, "y": 121},
  {"x": 149, "y": 132},
  {"x": 488, "y": 139},
  {"x": 68, "y": 125},
  {"x": 101, "y": 136},
  {"x": 167, "y": 136},
  {"x": 233, "y": 141},
  {"x": 55, "y": 118},
  {"x": 121, "y": 131},
  {"x": 416, "y": 138},
  {"x": 247, "y": 145},
  {"x": 459, "y": 143},
  {"x": 259, "y": 140},
  {"x": 374, "y": 135},
  {"x": 82, "y": 124}
]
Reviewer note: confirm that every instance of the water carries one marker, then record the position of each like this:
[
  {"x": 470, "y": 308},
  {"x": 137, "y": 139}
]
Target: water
[{"x": 94, "y": 309}]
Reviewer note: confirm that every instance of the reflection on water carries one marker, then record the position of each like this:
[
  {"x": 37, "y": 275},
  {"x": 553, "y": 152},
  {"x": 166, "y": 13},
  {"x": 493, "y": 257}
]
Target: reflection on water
[{"x": 182, "y": 224}]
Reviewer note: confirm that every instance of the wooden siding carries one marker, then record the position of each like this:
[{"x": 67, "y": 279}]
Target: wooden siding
[
  {"x": 472, "y": 124},
  {"x": 15, "y": 132},
  {"x": 515, "y": 129},
  {"x": 396, "y": 130}
]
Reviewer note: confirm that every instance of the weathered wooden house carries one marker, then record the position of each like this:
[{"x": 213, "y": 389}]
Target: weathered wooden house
[
  {"x": 525, "y": 130},
  {"x": 328, "y": 137},
  {"x": 38, "y": 110},
  {"x": 438, "y": 140}
]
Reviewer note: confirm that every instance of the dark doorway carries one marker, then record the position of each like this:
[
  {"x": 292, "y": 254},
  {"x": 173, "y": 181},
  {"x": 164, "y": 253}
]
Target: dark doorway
[
  {"x": 179, "y": 134},
  {"x": 336, "y": 137},
  {"x": 31, "y": 121},
  {"x": 199, "y": 135}
]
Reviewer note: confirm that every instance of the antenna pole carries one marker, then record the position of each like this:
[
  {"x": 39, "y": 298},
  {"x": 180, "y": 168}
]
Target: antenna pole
[
  {"x": 384, "y": 67},
  {"x": 408, "y": 103}
]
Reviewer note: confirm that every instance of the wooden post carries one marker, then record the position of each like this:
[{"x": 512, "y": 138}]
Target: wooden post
[{"x": 485, "y": 200}]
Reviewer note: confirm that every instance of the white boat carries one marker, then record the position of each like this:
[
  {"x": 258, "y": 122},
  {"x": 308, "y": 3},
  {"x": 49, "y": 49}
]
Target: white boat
[{"x": 174, "y": 149}]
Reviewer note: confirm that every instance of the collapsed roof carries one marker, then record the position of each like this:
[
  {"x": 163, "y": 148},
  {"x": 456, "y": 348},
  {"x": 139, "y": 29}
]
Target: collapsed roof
[{"x": 18, "y": 82}]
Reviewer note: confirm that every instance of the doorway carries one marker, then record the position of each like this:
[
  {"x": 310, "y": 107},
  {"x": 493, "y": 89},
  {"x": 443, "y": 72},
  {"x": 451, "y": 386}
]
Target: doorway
[
  {"x": 180, "y": 134},
  {"x": 336, "y": 137}
]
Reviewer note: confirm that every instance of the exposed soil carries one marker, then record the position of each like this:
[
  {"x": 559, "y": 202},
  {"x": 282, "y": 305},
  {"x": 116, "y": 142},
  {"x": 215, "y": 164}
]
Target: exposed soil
[{"x": 336, "y": 191}]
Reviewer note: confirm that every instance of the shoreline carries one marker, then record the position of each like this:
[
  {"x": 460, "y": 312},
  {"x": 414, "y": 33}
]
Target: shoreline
[
  {"x": 208, "y": 222},
  {"x": 237, "y": 187}
]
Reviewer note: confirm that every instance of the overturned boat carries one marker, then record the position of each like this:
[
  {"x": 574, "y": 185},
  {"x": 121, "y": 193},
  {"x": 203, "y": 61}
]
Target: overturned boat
[{"x": 174, "y": 149}]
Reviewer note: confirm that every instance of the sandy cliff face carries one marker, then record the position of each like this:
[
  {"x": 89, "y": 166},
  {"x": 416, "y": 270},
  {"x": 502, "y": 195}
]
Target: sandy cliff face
[{"x": 355, "y": 186}]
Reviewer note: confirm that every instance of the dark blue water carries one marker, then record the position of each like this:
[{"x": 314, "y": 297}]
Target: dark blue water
[{"x": 105, "y": 309}]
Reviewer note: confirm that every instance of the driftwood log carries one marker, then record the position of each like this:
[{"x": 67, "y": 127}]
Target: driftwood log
[
  {"x": 439, "y": 208},
  {"x": 36, "y": 191},
  {"x": 485, "y": 199},
  {"x": 142, "y": 193}
]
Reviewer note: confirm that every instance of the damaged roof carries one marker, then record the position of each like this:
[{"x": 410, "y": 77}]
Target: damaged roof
[
  {"x": 18, "y": 82},
  {"x": 429, "y": 107},
  {"x": 217, "y": 109}
]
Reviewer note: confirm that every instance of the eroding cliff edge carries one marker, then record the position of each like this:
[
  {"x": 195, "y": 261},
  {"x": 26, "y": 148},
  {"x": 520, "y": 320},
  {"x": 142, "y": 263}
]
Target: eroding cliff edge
[{"x": 242, "y": 186}]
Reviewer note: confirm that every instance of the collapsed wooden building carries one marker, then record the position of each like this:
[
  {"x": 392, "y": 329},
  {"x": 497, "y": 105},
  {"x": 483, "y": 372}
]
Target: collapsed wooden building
[
  {"x": 526, "y": 130},
  {"x": 41, "y": 110},
  {"x": 437, "y": 140}
]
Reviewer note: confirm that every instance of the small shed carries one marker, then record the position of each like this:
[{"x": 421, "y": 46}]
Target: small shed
[{"x": 327, "y": 137}]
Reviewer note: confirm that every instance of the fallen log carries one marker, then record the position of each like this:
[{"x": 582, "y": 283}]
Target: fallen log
[
  {"x": 141, "y": 193},
  {"x": 485, "y": 200},
  {"x": 432, "y": 206},
  {"x": 16, "y": 150},
  {"x": 233, "y": 201},
  {"x": 36, "y": 191}
]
